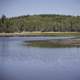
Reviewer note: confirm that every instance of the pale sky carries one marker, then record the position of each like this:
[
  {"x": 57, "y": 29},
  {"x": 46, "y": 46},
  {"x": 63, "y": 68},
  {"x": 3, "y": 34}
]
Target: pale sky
[{"x": 23, "y": 7}]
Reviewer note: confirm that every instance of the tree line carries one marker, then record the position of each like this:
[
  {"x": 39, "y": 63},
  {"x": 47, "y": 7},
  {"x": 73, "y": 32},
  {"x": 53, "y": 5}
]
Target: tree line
[{"x": 42, "y": 23}]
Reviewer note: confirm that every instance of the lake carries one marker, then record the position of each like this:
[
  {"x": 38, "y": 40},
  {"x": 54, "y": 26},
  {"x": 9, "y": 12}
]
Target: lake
[{"x": 19, "y": 62}]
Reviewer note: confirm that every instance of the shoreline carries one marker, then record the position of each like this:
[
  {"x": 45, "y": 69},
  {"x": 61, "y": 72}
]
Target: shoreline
[{"x": 23, "y": 34}]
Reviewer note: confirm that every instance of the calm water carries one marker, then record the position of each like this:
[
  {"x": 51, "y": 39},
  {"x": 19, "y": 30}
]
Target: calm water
[{"x": 18, "y": 62}]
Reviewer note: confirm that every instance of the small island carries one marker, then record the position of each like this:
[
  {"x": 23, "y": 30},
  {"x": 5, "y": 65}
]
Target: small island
[{"x": 54, "y": 43}]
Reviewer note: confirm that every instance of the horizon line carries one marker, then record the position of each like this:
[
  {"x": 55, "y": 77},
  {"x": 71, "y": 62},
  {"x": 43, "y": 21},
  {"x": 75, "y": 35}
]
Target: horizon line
[{"x": 40, "y": 14}]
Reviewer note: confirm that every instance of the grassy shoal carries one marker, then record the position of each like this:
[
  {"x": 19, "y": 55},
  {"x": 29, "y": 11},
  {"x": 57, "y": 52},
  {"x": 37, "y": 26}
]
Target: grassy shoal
[{"x": 59, "y": 43}]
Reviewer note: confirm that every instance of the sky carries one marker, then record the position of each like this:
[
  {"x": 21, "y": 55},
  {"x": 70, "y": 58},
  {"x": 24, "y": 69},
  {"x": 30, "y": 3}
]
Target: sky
[{"x": 13, "y": 8}]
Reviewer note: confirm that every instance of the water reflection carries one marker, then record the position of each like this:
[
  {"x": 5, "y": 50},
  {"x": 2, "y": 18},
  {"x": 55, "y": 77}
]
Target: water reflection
[{"x": 19, "y": 62}]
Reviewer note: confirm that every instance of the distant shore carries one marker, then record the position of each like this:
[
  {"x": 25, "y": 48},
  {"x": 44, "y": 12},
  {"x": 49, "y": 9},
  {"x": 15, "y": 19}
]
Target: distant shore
[{"x": 40, "y": 34}]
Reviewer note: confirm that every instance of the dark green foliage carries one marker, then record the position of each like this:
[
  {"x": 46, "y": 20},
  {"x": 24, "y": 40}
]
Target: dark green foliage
[
  {"x": 3, "y": 19},
  {"x": 43, "y": 23}
]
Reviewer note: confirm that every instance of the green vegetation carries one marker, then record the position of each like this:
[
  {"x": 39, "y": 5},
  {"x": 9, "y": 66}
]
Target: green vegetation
[{"x": 40, "y": 23}]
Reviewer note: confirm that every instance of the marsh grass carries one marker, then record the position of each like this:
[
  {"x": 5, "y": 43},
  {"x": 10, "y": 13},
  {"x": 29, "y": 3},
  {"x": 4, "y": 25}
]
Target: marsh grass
[
  {"x": 54, "y": 43},
  {"x": 41, "y": 34}
]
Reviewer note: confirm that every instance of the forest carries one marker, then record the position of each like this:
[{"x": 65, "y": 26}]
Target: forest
[{"x": 41, "y": 23}]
